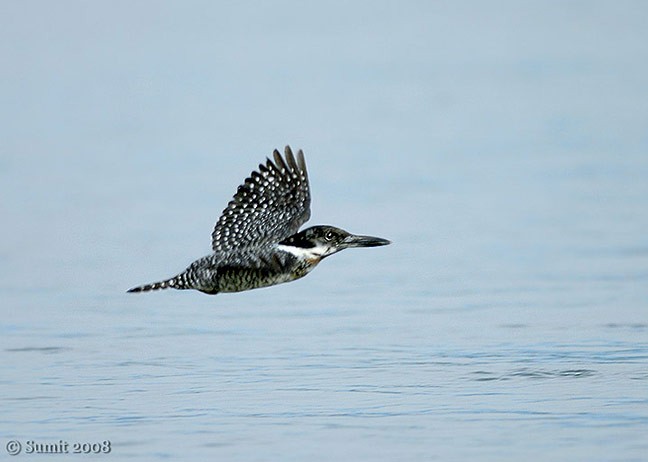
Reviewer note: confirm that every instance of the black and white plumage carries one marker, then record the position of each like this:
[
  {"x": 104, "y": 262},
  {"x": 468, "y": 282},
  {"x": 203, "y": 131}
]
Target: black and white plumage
[
  {"x": 256, "y": 242},
  {"x": 269, "y": 206}
]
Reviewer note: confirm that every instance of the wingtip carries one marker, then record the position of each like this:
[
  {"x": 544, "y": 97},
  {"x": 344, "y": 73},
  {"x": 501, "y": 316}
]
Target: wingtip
[
  {"x": 290, "y": 158},
  {"x": 279, "y": 160},
  {"x": 301, "y": 160}
]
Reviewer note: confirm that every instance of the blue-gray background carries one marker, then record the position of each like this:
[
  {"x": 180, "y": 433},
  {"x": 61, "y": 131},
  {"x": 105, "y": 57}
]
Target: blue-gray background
[{"x": 502, "y": 146}]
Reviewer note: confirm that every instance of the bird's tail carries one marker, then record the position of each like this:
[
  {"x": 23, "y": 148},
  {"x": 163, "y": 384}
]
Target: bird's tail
[{"x": 181, "y": 281}]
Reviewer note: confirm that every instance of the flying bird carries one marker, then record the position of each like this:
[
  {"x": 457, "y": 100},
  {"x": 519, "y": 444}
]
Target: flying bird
[{"x": 256, "y": 241}]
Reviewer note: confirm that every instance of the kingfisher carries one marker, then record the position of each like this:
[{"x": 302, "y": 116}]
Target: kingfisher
[{"x": 256, "y": 241}]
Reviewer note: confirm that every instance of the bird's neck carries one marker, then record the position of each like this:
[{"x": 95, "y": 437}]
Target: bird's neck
[{"x": 312, "y": 254}]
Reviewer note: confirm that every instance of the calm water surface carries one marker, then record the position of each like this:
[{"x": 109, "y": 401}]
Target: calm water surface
[{"x": 508, "y": 321}]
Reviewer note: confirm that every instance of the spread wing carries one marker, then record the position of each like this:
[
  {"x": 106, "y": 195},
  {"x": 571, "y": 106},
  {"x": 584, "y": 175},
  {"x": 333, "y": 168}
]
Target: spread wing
[{"x": 269, "y": 206}]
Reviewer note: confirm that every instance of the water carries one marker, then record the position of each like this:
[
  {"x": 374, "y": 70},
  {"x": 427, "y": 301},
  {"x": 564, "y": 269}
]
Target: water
[{"x": 501, "y": 147}]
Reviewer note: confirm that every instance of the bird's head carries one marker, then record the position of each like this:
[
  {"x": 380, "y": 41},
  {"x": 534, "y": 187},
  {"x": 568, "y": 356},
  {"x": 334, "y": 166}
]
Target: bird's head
[{"x": 327, "y": 240}]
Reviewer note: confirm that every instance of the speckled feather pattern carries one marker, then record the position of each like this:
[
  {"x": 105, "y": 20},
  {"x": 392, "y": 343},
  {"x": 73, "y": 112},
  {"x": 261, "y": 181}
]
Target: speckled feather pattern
[
  {"x": 269, "y": 206},
  {"x": 246, "y": 269},
  {"x": 257, "y": 242}
]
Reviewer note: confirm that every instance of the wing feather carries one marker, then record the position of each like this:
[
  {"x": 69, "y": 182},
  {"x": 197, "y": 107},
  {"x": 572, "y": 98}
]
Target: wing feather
[{"x": 270, "y": 205}]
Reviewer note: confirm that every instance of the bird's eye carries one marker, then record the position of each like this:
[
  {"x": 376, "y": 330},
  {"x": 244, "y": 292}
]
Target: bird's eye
[{"x": 329, "y": 236}]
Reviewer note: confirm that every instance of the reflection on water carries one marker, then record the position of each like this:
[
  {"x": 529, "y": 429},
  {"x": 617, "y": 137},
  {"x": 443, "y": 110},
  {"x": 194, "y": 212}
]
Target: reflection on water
[
  {"x": 534, "y": 374},
  {"x": 353, "y": 376}
]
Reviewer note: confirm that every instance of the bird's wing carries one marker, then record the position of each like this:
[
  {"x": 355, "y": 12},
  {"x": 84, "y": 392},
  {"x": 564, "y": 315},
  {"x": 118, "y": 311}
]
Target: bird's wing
[{"x": 269, "y": 206}]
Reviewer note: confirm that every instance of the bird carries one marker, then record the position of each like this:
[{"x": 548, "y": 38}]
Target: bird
[{"x": 256, "y": 241}]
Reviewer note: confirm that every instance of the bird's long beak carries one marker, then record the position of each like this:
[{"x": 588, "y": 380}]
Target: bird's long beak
[{"x": 364, "y": 241}]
